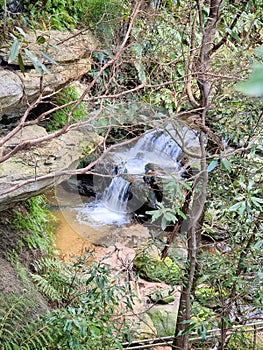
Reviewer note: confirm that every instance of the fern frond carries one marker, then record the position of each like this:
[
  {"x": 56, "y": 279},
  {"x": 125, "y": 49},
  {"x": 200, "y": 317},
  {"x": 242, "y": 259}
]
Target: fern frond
[
  {"x": 46, "y": 288},
  {"x": 46, "y": 263},
  {"x": 37, "y": 338},
  {"x": 18, "y": 333},
  {"x": 7, "y": 320}
]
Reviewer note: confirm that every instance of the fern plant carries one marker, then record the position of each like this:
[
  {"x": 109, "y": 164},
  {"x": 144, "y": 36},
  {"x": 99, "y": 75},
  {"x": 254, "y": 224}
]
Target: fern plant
[
  {"x": 36, "y": 224},
  {"x": 57, "y": 281},
  {"x": 87, "y": 319},
  {"x": 17, "y": 331}
]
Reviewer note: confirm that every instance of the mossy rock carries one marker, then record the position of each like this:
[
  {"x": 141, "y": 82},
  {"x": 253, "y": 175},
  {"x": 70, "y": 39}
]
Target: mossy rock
[
  {"x": 146, "y": 328},
  {"x": 164, "y": 319},
  {"x": 178, "y": 254},
  {"x": 162, "y": 296},
  {"x": 141, "y": 327},
  {"x": 148, "y": 264}
]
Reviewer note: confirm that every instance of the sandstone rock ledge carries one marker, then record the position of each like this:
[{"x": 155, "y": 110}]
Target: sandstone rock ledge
[
  {"x": 62, "y": 153},
  {"x": 71, "y": 52}
]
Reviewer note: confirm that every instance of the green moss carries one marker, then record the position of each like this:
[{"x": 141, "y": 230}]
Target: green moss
[
  {"x": 149, "y": 265},
  {"x": 59, "y": 118},
  {"x": 164, "y": 320}
]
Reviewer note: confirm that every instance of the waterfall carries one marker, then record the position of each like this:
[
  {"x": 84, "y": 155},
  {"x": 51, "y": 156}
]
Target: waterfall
[
  {"x": 159, "y": 142},
  {"x": 115, "y": 196},
  {"x": 156, "y": 147},
  {"x": 110, "y": 209},
  {"x": 115, "y": 202}
]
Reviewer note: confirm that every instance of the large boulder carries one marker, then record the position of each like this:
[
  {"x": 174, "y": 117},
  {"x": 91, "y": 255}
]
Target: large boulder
[
  {"x": 70, "y": 54},
  {"x": 19, "y": 175}
]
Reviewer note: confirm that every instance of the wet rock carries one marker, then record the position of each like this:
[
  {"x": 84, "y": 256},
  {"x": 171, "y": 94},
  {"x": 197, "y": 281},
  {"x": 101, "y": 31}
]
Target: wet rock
[{"x": 130, "y": 236}]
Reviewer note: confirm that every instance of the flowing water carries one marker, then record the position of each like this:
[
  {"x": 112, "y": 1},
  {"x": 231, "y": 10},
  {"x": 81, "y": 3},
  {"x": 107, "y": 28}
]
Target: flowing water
[{"x": 111, "y": 208}]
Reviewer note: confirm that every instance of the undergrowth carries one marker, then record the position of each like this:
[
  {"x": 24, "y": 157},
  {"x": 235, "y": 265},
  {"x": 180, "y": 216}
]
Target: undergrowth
[
  {"x": 86, "y": 319},
  {"x": 86, "y": 300},
  {"x": 65, "y": 15},
  {"x": 35, "y": 225}
]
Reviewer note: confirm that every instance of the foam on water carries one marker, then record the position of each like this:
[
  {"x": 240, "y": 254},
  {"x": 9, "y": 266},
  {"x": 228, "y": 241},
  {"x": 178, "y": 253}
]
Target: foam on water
[{"x": 96, "y": 214}]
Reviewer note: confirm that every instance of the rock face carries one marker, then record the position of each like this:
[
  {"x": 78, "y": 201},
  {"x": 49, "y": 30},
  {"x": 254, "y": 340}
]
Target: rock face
[
  {"x": 69, "y": 53},
  {"x": 18, "y": 175}
]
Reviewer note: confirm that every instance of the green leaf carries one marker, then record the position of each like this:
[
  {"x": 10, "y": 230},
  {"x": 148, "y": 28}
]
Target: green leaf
[
  {"x": 187, "y": 186},
  {"x": 163, "y": 223},
  {"x": 256, "y": 201},
  {"x": 253, "y": 86},
  {"x": 203, "y": 279},
  {"x": 180, "y": 70},
  {"x": 212, "y": 165},
  {"x": 39, "y": 66},
  {"x": 258, "y": 244},
  {"x": 169, "y": 216},
  {"x": 155, "y": 214},
  {"x": 179, "y": 211},
  {"x": 14, "y": 51},
  {"x": 21, "y": 31},
  {"x": 225, "y": 164},
  {"x": 242, "y": 208},
  {"x": 235, "y": 207},
  {"x": 141, "y": 71},
  {"x": 47, "y": 57},
  {"x": 233, "y": 34},
  {"x": 21, "y": 63}
]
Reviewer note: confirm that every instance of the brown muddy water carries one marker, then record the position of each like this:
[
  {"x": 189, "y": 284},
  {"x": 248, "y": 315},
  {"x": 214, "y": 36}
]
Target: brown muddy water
[{"x": 74, "y": 238}]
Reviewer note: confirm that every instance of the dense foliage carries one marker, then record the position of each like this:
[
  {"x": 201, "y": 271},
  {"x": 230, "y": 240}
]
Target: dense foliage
[
  {"x": 84, "y": 296},
  {"x": 167, "y": 62}
]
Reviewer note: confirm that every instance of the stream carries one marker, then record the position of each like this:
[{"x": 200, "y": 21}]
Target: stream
[{"x": 107, "y": 219}]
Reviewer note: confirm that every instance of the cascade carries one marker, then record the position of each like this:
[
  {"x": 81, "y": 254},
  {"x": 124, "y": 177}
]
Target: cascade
[
  {"x": 114, "y": 201},
  {"x": 115, "y": 196}
]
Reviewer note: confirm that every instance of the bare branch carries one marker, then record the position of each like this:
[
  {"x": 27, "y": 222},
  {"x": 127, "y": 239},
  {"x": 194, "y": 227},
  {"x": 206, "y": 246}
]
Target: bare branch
[{"x": 231, "y": 27}]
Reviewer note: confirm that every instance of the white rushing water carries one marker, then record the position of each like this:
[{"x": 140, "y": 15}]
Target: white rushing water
[
  {"x": 156, "y": 147},
  {"x": 111, "y": 209}
]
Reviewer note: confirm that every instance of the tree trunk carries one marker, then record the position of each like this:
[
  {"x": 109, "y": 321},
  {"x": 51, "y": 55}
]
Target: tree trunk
[{"x": 181, "y": 339}]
